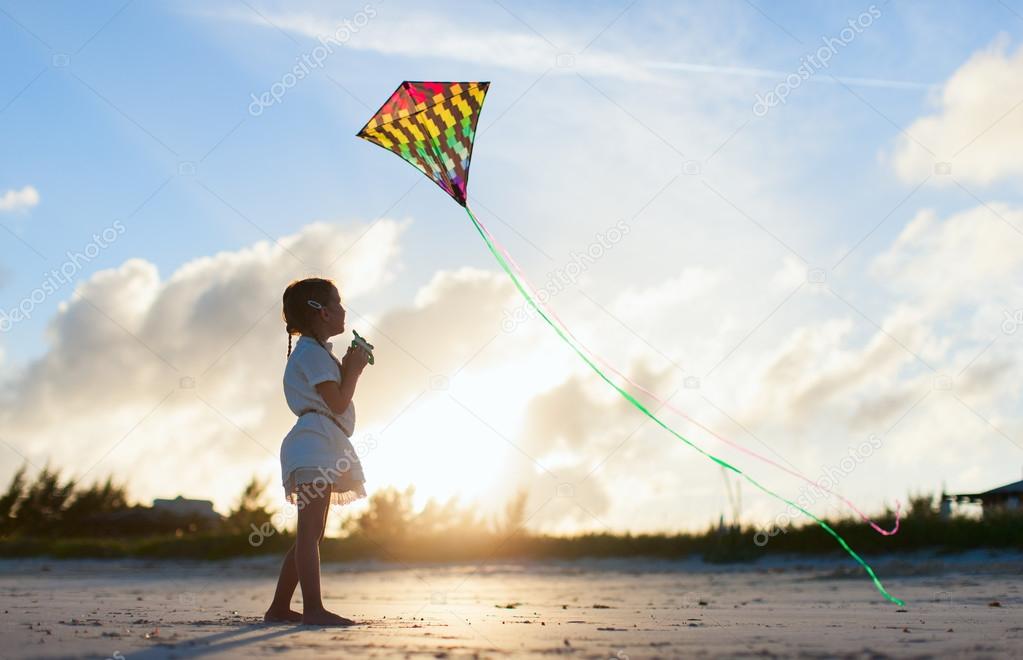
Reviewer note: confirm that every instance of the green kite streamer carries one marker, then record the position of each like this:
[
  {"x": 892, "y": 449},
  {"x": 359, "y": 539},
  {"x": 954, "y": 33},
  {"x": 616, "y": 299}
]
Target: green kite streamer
[{"x": 631, "y": 399}]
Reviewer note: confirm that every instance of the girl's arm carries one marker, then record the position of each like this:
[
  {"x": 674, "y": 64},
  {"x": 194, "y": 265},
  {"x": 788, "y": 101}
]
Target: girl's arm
[{"x": 338, "y": 397}]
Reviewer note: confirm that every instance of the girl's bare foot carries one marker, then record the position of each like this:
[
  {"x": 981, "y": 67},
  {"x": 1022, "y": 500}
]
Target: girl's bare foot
[
  {"x": 282, "y": 616},
  {"x": 324, "y": 618}
]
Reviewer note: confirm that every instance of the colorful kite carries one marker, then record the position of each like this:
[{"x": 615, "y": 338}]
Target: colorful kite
[{"x": 431, "y": 125}]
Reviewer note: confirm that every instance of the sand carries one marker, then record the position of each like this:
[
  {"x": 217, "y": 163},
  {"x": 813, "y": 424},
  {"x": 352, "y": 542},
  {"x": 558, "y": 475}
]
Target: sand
[{"x": 965, "y": 606}]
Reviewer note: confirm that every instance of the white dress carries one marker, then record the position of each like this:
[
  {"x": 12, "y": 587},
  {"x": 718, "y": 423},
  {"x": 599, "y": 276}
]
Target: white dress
[{"x": 318, "y": 448}]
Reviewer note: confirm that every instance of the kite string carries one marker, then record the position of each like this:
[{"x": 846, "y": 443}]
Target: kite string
[
  {"x": 550, "y": 309},
  {"x": 631, "y": 399}
]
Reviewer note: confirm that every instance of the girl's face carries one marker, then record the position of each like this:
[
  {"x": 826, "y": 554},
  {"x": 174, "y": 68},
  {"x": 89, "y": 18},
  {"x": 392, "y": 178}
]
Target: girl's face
[{"x": 335, "y": 315}]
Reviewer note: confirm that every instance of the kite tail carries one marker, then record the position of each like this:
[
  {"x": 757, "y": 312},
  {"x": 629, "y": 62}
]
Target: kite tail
[
  {"x": 639, "y": 406},
  {"x": 550, "y": 310}
]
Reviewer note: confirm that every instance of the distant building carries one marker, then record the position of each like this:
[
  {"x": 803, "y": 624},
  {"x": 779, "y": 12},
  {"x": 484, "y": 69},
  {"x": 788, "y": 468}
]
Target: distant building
[
  {"x": 175, "y": 516},
  {"x": 1003, "y": 498},
  {"x": 181, "y": 506}
]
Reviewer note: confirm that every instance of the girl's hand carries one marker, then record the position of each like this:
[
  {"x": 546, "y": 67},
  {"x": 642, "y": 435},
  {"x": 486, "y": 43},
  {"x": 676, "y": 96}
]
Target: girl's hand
[{"x": 355, "y": 360}]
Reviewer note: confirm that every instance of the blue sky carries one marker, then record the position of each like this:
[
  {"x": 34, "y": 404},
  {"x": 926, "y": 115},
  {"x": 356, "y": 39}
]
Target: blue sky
[{"x": 138, "y": 112}]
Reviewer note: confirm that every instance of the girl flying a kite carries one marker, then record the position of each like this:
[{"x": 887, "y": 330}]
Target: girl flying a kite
[{"x": 319, "y": 466}]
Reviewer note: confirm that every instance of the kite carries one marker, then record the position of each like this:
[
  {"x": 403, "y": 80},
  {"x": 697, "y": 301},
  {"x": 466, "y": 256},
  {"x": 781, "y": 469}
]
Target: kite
[{"x": 432, "y": 125}]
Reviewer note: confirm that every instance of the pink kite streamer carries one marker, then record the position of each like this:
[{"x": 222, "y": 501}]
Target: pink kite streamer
[{"x": 550, "y": 310}]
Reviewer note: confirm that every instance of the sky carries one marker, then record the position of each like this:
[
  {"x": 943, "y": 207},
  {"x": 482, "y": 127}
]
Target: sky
[{"x": 794, "y": 225}]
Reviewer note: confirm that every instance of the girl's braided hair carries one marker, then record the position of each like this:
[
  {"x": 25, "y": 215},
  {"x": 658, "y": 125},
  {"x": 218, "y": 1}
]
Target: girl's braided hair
[{"x": 298, "y": 313}]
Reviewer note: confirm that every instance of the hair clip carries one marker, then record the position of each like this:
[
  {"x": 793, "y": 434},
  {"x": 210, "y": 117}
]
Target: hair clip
[{"x": 314, "y": 304}]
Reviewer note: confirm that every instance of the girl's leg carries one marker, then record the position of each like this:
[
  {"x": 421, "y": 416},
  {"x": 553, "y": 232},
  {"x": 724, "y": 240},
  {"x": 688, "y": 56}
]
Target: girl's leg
[
  {"x": 323, "y": 530},
  {"x": 280, "y": 609},
  {"x": 311, "y": 523}
]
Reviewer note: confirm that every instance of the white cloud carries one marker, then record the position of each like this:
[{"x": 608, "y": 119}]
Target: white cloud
[
  {"x": 638, "y": 303},
  {"x": 108, "y": 396},
  {"x": 977, "y": 126},
  {"x": 946, "y": 283},
  {"x": 120, "y": 347},
  {"x": 972, "y": 257},
  {"x": 19, "y": 200},
  {"x": 427, "y": 36},
  {"x": 99, "y": 384},
  {"x": 790, "y": 275},
  {"x": 451, "y": 317},
  {"x": 418, "y": 35}
]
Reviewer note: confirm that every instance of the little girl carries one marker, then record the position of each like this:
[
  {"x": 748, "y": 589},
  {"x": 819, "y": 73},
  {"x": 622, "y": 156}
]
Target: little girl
[{"x": 319, "y": 466}]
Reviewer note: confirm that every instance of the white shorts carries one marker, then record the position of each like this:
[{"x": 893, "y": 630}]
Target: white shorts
[{"x": 345, "y": 488}]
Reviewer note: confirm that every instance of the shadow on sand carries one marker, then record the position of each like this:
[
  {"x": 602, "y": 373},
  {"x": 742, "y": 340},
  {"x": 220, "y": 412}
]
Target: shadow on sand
[{"x": 221, "y": 642}]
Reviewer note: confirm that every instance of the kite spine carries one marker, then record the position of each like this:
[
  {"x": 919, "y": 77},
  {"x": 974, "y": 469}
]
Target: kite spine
[{"x": 639, "y": 406}]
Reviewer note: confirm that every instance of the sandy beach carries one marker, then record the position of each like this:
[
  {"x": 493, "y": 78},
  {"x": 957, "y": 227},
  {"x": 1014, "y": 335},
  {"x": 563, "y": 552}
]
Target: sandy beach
[{"x": 961, "y": 606}]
